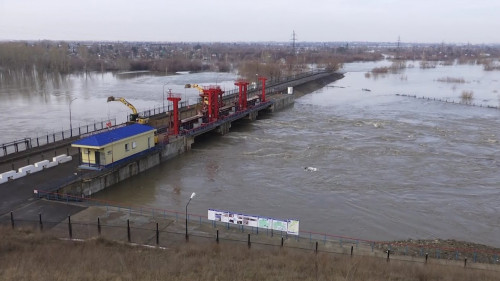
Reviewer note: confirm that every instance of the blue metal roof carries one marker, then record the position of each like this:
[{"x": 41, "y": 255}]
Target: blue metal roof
[{"x": 114, "y": 135}]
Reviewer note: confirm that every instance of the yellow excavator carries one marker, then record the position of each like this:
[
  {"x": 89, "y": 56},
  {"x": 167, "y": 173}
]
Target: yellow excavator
[
  {"x": 196, "y": 86},
  {"x": 134, "y": 117}
]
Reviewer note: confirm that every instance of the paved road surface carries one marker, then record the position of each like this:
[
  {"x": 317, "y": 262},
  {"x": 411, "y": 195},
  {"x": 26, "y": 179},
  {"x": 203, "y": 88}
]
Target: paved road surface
[{"x": 17, "y": 195}]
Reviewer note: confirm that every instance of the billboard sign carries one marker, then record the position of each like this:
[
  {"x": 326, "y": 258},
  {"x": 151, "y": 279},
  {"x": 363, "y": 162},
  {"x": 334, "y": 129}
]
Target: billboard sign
[{"x": 288, "y": 226}]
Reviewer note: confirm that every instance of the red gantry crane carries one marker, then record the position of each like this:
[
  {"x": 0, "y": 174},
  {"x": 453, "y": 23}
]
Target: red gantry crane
[
  {"x": 263, "y": 95},
  {"x": 175, "y": 98},
  {"x": 211, "y": 100},
  {"x": 243, "y": 86}
]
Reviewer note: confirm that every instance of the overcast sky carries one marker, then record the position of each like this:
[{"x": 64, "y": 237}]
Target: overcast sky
[{"x": 426, "y": 21}]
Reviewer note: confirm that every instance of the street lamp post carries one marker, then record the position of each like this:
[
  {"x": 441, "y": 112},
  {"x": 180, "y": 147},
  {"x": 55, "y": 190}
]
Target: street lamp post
[
  {"x": 163, "y": 101},
  {"x": 187, "y": 235},
  {"x": 70, "y": 124}
]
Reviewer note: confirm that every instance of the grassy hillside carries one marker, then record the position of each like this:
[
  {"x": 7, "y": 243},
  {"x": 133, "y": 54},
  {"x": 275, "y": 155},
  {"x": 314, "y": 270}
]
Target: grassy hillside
[{"x": 28, "y": 255}]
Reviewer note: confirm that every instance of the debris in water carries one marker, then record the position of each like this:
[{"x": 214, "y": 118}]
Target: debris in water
[{"x": 310, "y": 169}]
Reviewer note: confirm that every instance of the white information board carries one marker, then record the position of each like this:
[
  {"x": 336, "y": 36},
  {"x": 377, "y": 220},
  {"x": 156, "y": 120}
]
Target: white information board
[{"x": 288, "y": 226}]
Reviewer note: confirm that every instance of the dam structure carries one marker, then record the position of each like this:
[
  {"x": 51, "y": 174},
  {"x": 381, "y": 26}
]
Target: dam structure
[{"x": 114, "y": 154}]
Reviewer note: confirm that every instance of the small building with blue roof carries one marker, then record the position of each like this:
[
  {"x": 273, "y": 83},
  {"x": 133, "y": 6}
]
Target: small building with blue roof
[{"x": 104, "y": 149}]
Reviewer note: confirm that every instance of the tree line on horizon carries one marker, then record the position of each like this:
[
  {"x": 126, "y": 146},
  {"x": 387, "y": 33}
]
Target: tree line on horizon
[
  {"x": 273, "y": 61},
  {"x": 249, "y": 59}
]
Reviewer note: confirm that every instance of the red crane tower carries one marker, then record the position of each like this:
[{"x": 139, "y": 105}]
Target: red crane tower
[
  {"x": 263, "y": 80},
  {"x": 213, "y": 97},
  {"x": 175, "y": 99},
  {"x": 243, "y": 86}
]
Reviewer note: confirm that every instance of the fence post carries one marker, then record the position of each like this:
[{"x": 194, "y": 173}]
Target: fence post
[
  {"x": 249, "y": 243},
  {"x": 157, "y": 235},
  {"x": 388, "y": 255},
  {"x": 465, "y": 262},
  {"x": 40, "y": 221},
  {"x": 128, "y": 230},
  {"x": 352, "y": 249},
  {"x": 217, "y": 237},
  {"x": 70, "y": 229},
  {"x": 12, "y": 219},
  {"x": 99, "y": 226},
  {"x": 316, "y": 251},
  {"x": 426, "y": 257},
  {"x": 282, "y": 241}
]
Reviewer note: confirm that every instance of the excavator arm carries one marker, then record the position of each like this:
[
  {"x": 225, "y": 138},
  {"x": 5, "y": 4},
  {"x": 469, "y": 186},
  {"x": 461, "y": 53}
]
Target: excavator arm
[
  {"x": 196, "y": 86},
  {"x": 125, "y": 102},
  {"x": 134, "y": 115},
  {"x": 202, "y": 91}
]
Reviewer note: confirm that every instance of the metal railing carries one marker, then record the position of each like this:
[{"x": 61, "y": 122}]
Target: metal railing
[
  {"x": 270, "y": 88},
  {"x": 40, "y": 141}
]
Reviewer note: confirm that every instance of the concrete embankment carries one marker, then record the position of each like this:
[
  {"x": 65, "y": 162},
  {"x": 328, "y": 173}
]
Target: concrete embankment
[{"x": 309, "y": 87}]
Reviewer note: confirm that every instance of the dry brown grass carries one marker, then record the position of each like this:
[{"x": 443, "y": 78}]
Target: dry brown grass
[
  {"x": 467, "y": 96},
  {"x": 380, "y": 70},
  {"x": 26, "y": 255},
  {"x": 428, "y": 64}
]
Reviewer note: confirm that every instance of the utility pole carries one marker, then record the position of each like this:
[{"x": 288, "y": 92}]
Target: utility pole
[
  {"x": 397, "y": 50},
  {"x": 294, "y": 39}
]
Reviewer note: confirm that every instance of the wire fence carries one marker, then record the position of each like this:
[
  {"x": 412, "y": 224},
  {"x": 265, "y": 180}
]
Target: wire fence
[
  {"x": 150, "y": 226},
  {"x": 462, "y": 101}
]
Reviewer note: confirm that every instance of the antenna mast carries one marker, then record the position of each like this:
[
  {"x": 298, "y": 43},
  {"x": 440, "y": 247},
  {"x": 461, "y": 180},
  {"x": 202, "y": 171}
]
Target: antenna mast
[{"x": 294, "y": 39}]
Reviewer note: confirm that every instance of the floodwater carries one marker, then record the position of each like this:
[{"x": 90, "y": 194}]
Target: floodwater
[
  {"x": 40, "y": 105},
  {"x": 388, "y": 166}
]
